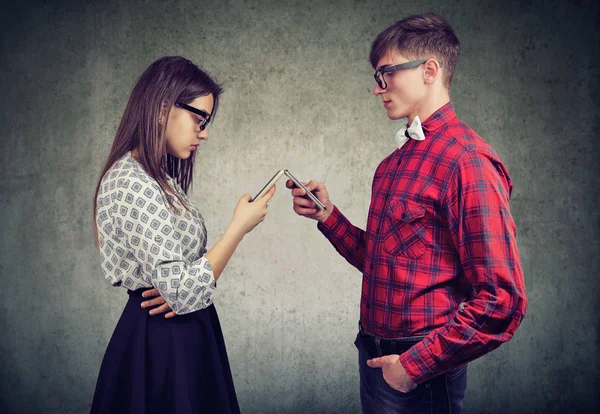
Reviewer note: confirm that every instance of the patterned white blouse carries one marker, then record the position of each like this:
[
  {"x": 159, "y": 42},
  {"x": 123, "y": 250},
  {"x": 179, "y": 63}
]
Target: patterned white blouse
[{"x": 143, "y": 243}]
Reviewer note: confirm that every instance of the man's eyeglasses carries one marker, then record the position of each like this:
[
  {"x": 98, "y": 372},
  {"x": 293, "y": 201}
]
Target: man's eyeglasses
[
  {"x": 380, "y": 79},
  {"x": 204, "y": 116}
]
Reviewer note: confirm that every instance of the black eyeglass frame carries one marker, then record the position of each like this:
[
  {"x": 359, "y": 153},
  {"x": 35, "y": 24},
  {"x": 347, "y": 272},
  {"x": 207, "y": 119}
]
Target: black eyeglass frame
[
  {"x": 380, "y": 79},
  {"x": 197, "y": 111}
]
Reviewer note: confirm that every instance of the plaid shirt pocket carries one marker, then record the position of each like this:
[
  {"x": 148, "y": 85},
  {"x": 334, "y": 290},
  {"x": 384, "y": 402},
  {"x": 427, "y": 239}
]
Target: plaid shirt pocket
[{"x": 404, "y": 229}]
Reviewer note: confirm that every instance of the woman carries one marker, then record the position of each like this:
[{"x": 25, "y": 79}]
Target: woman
[{"x": 152, "y": 240}]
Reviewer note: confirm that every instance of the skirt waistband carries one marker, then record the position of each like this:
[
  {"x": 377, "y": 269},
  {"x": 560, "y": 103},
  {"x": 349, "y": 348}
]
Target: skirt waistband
[{"x": 137, "y": 292}]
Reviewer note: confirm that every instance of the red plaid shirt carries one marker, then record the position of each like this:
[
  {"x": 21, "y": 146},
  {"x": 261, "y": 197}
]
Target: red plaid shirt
[{"x": 439, "y": 257}]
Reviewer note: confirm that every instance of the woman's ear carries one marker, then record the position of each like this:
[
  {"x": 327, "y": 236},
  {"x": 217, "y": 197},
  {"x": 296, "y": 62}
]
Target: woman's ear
[{"x": 163, "y": 113}]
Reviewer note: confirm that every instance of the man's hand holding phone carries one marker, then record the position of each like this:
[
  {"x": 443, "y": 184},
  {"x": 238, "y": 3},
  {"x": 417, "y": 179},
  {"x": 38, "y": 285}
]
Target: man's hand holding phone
[{"x": 303, "y": 206}]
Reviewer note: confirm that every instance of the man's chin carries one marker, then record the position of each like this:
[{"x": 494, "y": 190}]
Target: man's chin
[{"x": 396, "y": 115}]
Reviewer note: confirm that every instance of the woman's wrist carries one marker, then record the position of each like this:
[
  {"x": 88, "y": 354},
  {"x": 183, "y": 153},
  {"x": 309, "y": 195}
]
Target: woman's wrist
[{"x": 235, "y": 230}]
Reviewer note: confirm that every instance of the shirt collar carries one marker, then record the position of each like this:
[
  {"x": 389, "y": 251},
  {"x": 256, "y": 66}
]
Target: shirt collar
[{"x": 439, "y": 118}]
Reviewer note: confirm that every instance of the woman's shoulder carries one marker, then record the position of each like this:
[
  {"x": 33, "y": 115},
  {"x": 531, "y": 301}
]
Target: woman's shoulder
[
  {"x": 126, "y": 173},
  {"x": 126, "y": 181}
]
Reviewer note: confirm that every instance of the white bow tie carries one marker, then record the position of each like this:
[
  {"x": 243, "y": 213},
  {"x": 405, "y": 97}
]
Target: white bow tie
[{"x": 414, "y": 131}]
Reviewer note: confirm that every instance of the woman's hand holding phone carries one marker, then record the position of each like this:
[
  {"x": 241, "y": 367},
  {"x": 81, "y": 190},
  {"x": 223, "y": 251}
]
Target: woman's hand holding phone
[{"x": 248, "y": 214}]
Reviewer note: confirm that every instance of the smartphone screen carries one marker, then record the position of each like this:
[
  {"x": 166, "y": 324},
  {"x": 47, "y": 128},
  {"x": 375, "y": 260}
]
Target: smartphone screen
[
  {"x": 269, "y": 184},
  {"x": 308, "y": 193}
]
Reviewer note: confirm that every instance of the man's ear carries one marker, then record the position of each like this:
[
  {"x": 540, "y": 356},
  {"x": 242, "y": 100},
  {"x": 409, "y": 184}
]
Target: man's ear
[{"x": 432, "y": 71}]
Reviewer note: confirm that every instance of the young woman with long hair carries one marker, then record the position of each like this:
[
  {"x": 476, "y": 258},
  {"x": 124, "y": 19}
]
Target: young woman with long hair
[{"x": 152, "y": 241}]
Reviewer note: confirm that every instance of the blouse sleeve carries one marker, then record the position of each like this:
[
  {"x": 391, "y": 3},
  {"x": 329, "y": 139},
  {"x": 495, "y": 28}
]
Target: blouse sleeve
[{"x": 137, "y": 236}]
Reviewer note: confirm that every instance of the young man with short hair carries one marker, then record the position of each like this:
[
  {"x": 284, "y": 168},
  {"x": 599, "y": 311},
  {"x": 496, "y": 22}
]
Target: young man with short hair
[{"x": 442, "y": 278}]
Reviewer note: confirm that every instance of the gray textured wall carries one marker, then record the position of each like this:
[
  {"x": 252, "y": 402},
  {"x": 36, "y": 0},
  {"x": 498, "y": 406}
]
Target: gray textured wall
[{"x": 298, "y": 95}]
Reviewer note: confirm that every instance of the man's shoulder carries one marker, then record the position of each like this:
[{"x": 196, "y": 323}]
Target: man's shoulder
[
  {"x": 468, "y": 150},
  {"x": 459, "y": 140}
]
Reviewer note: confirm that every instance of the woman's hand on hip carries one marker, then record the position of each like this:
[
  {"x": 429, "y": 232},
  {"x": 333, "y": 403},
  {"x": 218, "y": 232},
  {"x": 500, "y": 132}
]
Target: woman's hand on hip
[{"x": 158, "y": 300}]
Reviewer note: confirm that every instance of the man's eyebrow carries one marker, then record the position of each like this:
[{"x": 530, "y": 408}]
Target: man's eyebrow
[{"x": 387, "y": 65}]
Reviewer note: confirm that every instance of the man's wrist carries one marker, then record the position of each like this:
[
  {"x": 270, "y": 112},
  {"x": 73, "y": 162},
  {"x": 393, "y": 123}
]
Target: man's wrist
[{"x": 328, "y": 211}]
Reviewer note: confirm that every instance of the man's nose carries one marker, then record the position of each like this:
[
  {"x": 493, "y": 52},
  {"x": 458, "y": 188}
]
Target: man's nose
[{"x": 378, "y": 90}]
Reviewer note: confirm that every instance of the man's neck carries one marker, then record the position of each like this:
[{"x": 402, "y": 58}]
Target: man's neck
[{"x": 429, "y": 106}]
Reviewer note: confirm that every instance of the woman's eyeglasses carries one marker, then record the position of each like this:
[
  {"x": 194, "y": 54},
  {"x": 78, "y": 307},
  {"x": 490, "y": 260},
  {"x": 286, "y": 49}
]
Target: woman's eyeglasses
[{"x": 204, "y": 116}]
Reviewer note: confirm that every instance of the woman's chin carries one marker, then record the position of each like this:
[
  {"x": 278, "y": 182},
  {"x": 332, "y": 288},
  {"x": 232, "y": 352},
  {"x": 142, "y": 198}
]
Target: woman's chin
[{"x": 182, "y": 155}]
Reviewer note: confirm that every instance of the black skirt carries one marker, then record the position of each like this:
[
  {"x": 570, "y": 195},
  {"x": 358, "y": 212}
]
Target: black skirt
[{"x": 158, "y": 365}]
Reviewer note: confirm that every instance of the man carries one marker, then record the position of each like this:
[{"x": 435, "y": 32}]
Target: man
[{"x": 442, "y": 279}]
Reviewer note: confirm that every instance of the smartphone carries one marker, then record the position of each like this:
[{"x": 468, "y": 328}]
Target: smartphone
[
  {"x": 308, "y": 193},
  {"x": 270, "y": 184}
]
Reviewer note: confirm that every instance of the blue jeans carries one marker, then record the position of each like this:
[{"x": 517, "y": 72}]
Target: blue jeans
[{"x": 443, "y": 394}]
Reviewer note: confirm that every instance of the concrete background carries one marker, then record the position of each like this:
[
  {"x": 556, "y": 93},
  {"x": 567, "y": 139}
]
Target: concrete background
[{"x": 298, "y": 95}]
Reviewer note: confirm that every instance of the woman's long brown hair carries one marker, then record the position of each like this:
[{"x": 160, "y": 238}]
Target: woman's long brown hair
[{"x": 168, "y": 80}]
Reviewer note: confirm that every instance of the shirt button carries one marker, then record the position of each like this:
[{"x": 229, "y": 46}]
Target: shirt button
[{"x": 403, "y": 216}]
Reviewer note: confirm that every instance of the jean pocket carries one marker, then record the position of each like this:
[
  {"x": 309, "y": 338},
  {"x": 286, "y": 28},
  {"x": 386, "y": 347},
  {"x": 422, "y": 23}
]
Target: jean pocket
[
  {"x": 418, "y": 400},
  {"x": 405, "y": 229},
  {"x": 388, "y": 389}
]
